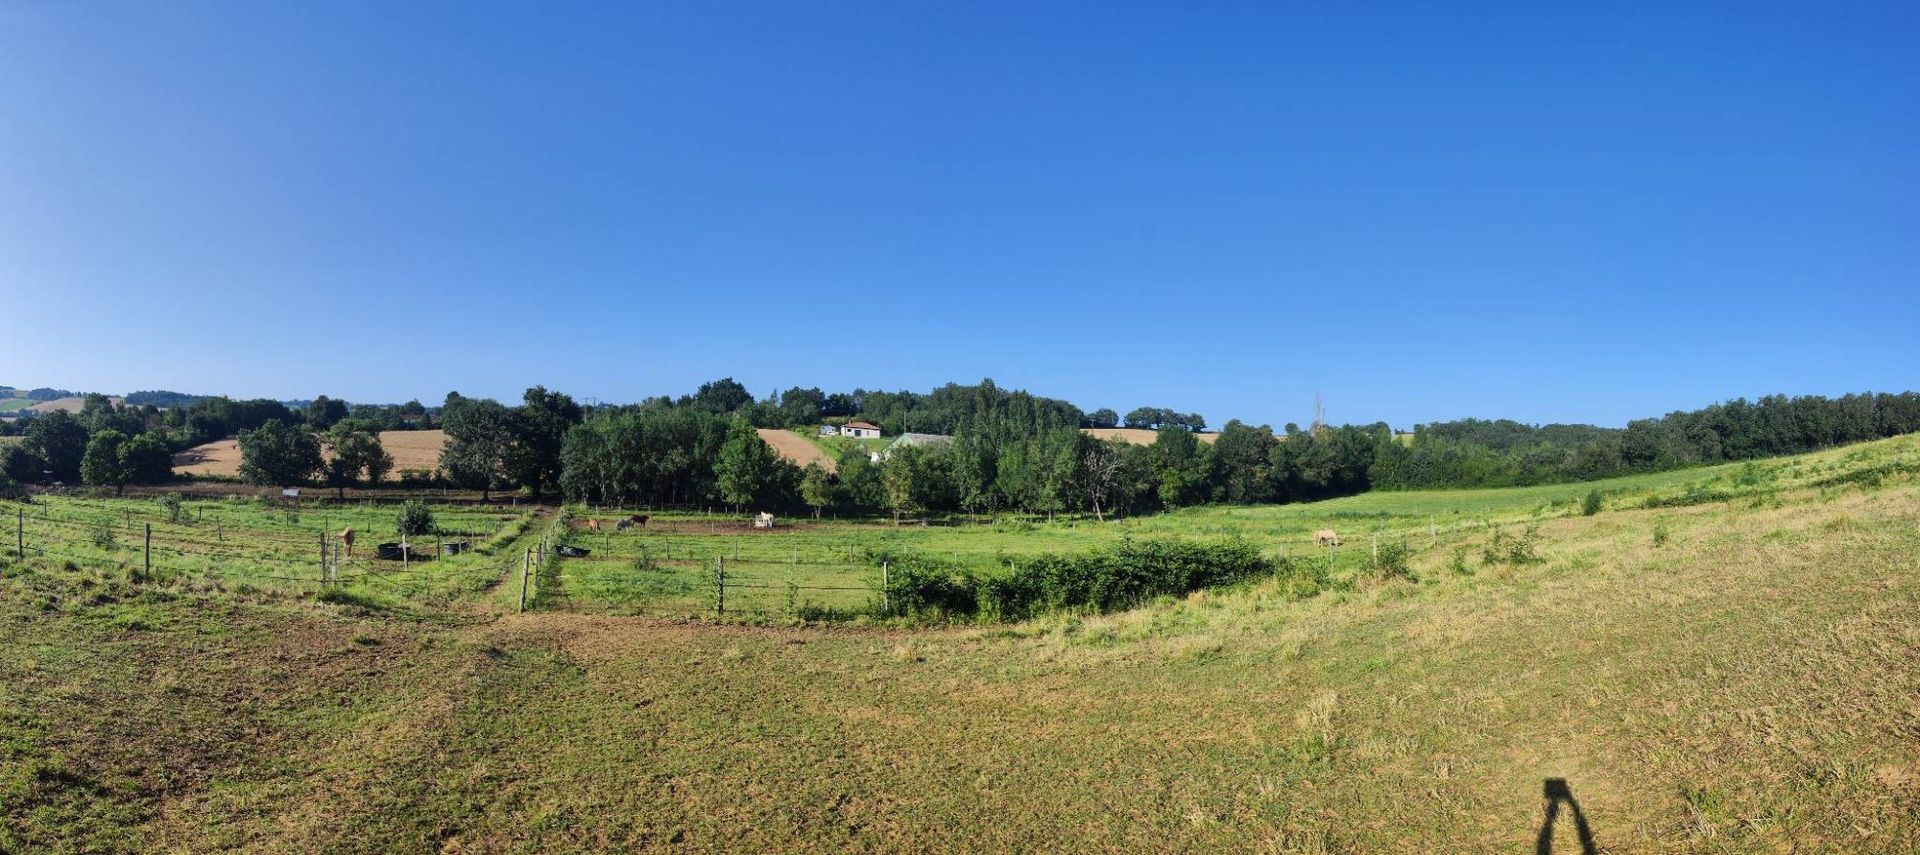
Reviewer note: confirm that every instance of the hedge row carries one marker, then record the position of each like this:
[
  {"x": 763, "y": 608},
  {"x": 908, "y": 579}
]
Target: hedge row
[{"x": 1120, "y": 577}]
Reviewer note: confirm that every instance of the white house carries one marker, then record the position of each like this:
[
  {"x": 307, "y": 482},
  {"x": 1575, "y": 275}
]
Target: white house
[{"x": 860, "y": 430}]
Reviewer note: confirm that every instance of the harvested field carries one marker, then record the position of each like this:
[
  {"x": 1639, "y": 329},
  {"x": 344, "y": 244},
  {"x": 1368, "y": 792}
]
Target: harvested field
[
  {"x": 414, "y": 449},
  {"x": 411, "y": 449},
  {"x": 1138, "y": 436},
  {"x": 797, "y": 448},
  {"x": 71, "y": 405}
]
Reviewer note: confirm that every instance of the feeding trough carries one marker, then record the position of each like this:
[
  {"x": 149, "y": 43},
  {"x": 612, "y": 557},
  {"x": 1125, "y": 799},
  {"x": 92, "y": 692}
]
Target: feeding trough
[
  {"x": 571, "y": 551},
  {"x": 454, "y": 547},
  {"x": 395, "y": 552}
]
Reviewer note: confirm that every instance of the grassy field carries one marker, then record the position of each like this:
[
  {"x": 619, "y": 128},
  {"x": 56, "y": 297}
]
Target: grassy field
[
  {"x": 668, "y": 566},
  {"x": 1721, "y": 660}
]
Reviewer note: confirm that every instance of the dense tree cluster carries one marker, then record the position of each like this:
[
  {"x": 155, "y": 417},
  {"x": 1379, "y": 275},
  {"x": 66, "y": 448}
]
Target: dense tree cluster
[{"x": 1476, "y": 453}]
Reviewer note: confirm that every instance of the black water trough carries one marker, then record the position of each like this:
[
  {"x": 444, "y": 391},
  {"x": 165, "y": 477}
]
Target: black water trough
[
  {"x": 454, "y": 547},
  {"x": 571, "y": 551},
  {"x": 396, "y": 552}
]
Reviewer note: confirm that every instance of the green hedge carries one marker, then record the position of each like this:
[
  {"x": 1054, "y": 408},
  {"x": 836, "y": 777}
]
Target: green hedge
[{"x": 1110, "y": 579}]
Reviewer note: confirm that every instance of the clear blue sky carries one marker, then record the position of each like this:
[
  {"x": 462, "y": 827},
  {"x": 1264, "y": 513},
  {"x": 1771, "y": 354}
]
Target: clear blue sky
[{"x": 1425, "y": 212}]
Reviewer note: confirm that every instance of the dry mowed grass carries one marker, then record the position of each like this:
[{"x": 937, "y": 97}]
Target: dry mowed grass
[
  {"x": 1138, "y": 436},
  {"x": 415, "y": 450},
  {"x": 797, "y": 449}
]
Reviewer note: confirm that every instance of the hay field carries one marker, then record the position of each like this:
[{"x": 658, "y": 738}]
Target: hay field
[
  {"x": 71, "y": 405},
  {"x": 1138, "y": 436},
  {"x": 417, "y": 450},
  {"x": 798, "y": 449}
]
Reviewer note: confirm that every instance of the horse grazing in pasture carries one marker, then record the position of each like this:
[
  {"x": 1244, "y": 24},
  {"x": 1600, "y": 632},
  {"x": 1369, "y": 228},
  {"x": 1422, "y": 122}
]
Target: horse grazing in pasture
[
  {"x": 1326, "y": 537},
  {"x": 593, "y": 525},
  {"x": 638, "y": 519},
  {"x": 623, "y": 525},
  {"x": 346, "y": 539}
]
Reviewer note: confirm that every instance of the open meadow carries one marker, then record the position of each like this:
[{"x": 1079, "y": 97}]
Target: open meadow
[{"x": 1717, "y": 660}]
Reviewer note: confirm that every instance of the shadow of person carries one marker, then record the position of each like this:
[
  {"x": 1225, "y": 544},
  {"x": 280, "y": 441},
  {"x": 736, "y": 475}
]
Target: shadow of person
[{"x": 1556, "y": 791}]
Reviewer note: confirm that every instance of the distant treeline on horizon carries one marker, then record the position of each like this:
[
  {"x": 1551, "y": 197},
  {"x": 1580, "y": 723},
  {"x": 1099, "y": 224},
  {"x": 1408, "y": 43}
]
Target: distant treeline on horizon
[{"x": 1007, "y": 450}]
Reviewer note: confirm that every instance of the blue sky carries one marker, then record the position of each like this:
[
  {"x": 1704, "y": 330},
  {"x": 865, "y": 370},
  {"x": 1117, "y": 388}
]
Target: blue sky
[{"x": 1420, "y": 211}]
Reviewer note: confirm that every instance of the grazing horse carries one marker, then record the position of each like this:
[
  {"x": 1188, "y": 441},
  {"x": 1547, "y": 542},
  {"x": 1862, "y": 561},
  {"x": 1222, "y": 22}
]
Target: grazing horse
[
  {"x": 346, "y": 538},
  {"x": 638, "y": 519},
  {"x": 593, "y": 525},
  {"x": 623, "y": 525},
  {"x": 1326, "y": 537}
]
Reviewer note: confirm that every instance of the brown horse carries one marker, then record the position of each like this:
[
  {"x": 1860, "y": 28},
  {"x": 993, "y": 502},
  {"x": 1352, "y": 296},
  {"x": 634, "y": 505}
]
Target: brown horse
[
  {"x": 638, "y": 519},
  {"x": 1326, "y": 537},
  {"x": 593, "y": 525},
  {"x": 346, "y": 538}
]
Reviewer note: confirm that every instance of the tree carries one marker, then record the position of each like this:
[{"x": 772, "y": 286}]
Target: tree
[
  {"x": 861, "y": 484},
  {"x": 479, "y": 437},
  {"x": 1099, "y": 473},
  {"x": 816, "y": 487},
  {"x": 100, "y": 466},
  {"x": 21, "y": 465},
  {"x": 749, "y": 470},
  {"x": 911, "y": 479},
  {"x": 720, "y": 397},
  {"x": 1103, "y": 418},
  {"x": 415, "y": 519},
  {"x": 356, "y": 449},
  {"x": 540, "y": 426},
  {"x": 1180, "y": 467},
  {"x": 146, "y": 460},
  {"x": 325, "y": 412},
  {"x": 279, "y": 454},
  {"x": 59, "y": 441}
]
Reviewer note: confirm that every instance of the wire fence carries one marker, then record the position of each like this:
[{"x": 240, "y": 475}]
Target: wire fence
[{"x": 182, "y": 543}]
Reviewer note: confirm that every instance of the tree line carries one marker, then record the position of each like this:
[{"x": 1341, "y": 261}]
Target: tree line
[
  {"x": 1001, "y": 450},
  {"x": 1475, "y": 453}
]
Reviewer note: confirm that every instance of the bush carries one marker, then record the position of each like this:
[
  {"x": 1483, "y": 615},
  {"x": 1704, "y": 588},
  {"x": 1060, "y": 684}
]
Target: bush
[
  {"x": 1591, "y": 504},
  {"x": 173, "y": 506},
  {"x": 1390, "y": 561},
  {"x": 1514, "y": 550},
  {"x": 415, "y": 518},
  {"x": 1104, "y": 580}
]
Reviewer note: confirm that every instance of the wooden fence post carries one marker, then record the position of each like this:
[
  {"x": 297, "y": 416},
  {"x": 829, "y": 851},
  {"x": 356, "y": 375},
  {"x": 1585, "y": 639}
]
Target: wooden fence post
[
  {"x": 720, "y": 582},
  {"x": 886, "y": 590},
  {"x": 526, "y": 566},
  {"x": 149, "y": 549}
]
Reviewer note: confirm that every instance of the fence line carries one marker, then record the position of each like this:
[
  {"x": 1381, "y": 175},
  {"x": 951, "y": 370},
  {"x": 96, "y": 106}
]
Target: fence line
[{"x": 38, "y": 532}]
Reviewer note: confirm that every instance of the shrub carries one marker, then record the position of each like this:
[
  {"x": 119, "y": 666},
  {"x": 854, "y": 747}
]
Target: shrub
[
  {"x": 103, "y": 536},
  {"x": 1103, "y": 580},
  {"x": 1514, "y": 550},
  {"x": 1591, "y": 504},
  {"x": 415, "y": 518},
  {"x": 1390, "y": 561},
  {"x": 173, "y": 506}
]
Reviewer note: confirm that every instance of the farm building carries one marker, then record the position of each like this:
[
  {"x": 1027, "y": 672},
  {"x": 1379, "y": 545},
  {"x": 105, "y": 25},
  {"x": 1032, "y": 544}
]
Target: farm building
[
  {"x": 921, "y": 440},
  {"x": 860, "y": 430}
]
